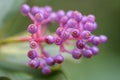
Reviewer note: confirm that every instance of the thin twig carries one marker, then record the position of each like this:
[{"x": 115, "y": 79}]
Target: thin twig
[{"x": 14, "y": 40}]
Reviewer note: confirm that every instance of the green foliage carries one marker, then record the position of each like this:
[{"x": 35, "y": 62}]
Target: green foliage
[{"x": 13, "y": 65}]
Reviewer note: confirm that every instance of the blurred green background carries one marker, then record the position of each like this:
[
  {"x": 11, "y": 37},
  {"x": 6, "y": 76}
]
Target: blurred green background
[{"x": 105, "y": 66}]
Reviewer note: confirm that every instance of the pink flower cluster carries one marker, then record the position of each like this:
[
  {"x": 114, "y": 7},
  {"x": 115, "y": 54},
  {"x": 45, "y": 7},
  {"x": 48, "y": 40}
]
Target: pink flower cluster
[{"x": 72, "y": 26}]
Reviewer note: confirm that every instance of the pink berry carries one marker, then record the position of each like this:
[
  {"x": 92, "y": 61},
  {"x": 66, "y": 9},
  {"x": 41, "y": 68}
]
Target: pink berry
[
  {"x": 50, "y": 61},
  {"x": 39, "y": 17},
  {"x": 32, "y": 28},
  {"x": 33, "y": 44},
  {"x": 80, "y": 44},
  {"x": 49, "y": 39},
  {"x": 59, "y": 59},
  {"x": 46, "y": 70},
  {"x": 32, "y": 54},
  {"x": 75, "y": 33},
  {"x": 86, "y": 34},
  {"x": 34, "y": 63},
  {"x": 87, "y": 53},
  {"x": 25, "y": 9},
  {"x": 58, "y": 41},
  {"x": 76, "y": 54}
]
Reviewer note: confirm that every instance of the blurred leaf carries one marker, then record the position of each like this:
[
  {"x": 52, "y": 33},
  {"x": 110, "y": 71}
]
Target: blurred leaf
[
  {"x": 4, "y": 78},
  {"x": 11, "y": 21},
  {"x": 13, "y": 64}
]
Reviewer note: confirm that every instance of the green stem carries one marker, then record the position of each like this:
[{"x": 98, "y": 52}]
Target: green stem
[{"x": 14, "y": 40}]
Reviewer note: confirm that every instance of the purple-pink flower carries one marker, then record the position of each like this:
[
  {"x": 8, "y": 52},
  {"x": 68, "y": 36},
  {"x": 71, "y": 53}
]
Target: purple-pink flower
[{"x": 73, "y": 25}]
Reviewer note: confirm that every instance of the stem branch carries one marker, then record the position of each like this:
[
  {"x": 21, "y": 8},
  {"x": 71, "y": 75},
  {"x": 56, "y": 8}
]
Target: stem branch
[{"x": 14, "y": 40}]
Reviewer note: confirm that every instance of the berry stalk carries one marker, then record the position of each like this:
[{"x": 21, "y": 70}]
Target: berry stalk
[{"x": 14, "y": 40}]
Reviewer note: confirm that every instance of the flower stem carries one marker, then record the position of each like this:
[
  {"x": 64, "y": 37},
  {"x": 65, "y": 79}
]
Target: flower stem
[{"x": 14, "y": 40}]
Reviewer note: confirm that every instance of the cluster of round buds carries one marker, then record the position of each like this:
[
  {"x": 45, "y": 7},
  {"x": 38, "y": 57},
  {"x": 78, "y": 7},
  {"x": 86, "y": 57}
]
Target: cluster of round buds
[{"x": 72, "y": 26}]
